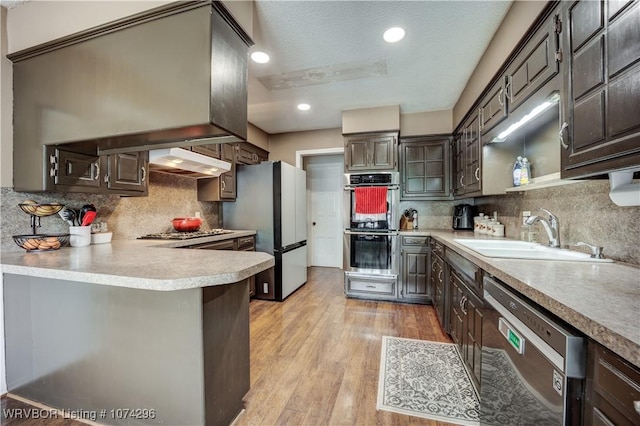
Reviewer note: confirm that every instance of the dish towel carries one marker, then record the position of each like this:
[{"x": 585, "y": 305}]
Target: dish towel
[{"x": 371, "y": 203}]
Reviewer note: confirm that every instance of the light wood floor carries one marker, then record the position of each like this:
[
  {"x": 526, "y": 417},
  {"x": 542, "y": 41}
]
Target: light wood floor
[{"x": 315, "y": 357}]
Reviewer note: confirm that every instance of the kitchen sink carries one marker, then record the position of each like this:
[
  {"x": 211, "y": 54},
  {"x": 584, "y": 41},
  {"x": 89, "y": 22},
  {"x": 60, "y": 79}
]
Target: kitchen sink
[{"x": 514, "y": 249}]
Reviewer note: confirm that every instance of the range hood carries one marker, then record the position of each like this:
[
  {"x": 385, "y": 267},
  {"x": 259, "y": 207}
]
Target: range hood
[
  {"x": 187, "y": 163},
  {"x": 173, "y": 76}
]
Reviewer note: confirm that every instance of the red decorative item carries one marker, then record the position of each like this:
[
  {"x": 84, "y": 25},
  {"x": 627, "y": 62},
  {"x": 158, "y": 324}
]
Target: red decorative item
[
  {"x": 187, "y": 224},
  {"x": 371, "y": 199}
]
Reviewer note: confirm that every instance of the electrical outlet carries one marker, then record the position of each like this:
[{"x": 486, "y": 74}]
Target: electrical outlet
[
  {"x": 265, "y": 288},
  {"x": 525, "y": 216}
]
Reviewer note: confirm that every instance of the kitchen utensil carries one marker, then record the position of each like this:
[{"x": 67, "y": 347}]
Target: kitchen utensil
[
  {"x": 69, "y": 215},
  {"x": 88, "y": 218},
  {"x": 83, "y": 210},
  {"x": 187, "y": 224}
]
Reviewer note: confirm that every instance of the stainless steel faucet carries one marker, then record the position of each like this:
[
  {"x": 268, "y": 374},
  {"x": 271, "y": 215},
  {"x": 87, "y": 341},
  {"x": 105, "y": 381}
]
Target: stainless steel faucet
[{"x": 551, "y": 226}]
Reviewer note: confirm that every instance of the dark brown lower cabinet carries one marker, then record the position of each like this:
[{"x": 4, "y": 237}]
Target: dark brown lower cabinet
[
  {"x": 415, "y": 273},
  {"x": 439, "y": 288},
  {"x": 612, "y": 390},
  {"x": 465, "y": 323}
]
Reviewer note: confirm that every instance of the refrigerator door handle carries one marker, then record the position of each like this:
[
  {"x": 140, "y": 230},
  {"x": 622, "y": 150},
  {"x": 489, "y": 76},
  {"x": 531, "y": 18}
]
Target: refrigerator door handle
[
  {"x": 374, "y": 233},
  {"x": 291, "y": 247}
]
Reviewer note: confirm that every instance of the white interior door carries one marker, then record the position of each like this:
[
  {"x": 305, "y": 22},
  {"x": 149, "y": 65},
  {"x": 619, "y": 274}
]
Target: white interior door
[{"x": 324, "y": 209}]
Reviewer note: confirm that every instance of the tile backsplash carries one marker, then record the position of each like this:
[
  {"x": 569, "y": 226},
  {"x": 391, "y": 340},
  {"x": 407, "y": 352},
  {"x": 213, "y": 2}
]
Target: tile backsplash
[
  {"x": 127, "y": 217},
  {"x": 584, "y": 210}
]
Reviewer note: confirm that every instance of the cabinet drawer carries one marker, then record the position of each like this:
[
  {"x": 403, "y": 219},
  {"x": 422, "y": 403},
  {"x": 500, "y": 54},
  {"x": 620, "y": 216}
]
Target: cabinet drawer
[
  {"x": 370, "y": 285},
  {"x": 617, "y": 382},
  {"x": 466, "y": 269},
  {"x": 438, "y": 248},
  {"x": 415, "y": 241},
  {"x": 217, "y": 245},
  {"x": 246, "y": 244}
]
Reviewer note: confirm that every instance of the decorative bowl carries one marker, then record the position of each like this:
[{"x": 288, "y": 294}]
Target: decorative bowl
[
  {"x": 187, "y": 224},
  {"x": 41, "y": 242},
  {"x": 101, "y": 237}
]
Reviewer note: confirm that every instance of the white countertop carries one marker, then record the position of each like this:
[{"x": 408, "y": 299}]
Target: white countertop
[
  {"x": 602, "y": 300},
  {"x": 142, "y": 264}
]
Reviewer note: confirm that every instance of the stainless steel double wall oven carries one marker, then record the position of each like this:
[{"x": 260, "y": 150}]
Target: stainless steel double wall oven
[{"x": 371, "y": 241}]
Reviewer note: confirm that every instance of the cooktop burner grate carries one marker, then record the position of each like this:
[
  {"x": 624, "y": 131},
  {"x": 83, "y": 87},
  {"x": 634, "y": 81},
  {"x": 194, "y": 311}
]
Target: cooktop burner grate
[{"x": 184, "y": 235}]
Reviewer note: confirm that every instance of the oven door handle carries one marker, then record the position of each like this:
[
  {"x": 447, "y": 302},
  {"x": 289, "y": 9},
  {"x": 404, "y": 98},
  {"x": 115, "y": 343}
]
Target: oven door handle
[
  {"x": 389, "y": 187},
  {"x": 388, "y": 234}
]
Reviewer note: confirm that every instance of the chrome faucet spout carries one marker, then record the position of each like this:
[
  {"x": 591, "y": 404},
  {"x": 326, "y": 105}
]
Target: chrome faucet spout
[{"x": 551, "y": 227}]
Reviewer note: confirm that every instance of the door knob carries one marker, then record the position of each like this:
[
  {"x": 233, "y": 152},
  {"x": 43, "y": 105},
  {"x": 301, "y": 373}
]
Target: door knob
[{"x": 313, "y": 223}]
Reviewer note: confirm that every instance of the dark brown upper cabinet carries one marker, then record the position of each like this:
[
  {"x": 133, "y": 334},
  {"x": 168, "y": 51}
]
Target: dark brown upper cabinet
[
  {"x": 459, "y": 166},
  {"x": 72, "y": 170},
  {"x": 535, "y": 64},
  {"x": 223, "y": 187},
  {"x": 127, "y": 171},
  {"x": 467, "y": 157},
  {"x": 248, "y": 153},
  {"x": 425, "y": 168},
  {"x": 371, "y": 151},
  {"x": 473, "y": 155},
  {"x": 213, "y": 150},
  {"x": 493, "y": 107},
  {"x": 602, "y": 84},
  {"x": 117, "y": 174}
]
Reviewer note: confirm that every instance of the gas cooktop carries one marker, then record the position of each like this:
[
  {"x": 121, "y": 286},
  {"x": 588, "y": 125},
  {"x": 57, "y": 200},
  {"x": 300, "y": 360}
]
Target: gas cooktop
[{"x": 184, "y": 235}]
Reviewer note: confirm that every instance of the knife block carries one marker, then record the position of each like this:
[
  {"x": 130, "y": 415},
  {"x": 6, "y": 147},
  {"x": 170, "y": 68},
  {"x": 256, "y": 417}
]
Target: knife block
[{"x": 406, "y": 224}]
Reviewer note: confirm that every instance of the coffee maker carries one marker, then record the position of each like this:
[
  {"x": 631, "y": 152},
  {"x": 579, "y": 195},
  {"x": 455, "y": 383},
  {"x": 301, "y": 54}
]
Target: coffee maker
[{"x": 463, "y": 217}]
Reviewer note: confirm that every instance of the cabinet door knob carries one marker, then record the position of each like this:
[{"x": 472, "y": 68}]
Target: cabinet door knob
[{"x": 313, "y": 223}]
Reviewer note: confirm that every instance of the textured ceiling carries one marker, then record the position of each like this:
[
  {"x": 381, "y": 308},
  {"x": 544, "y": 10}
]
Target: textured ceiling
[
  {"x": 11, "y": 3},
  {"x": 330, "y": 54}
]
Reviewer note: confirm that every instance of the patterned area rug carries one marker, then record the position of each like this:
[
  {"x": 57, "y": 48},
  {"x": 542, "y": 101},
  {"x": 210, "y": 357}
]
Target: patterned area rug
[{"x": 426, "y": 379}]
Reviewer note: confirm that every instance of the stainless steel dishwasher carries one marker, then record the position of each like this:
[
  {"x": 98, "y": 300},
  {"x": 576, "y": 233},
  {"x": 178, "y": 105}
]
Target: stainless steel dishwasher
[{"x": 533, "y": 368}]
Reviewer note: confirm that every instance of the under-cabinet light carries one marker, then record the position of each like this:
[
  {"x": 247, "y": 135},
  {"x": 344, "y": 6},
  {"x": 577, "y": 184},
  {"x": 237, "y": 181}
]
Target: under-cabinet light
[{"x": 551, "y": 101}]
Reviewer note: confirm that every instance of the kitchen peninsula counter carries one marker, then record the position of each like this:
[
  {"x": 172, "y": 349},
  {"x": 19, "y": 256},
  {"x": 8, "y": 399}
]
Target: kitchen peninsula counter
[
  {"x": 602, "y": 300},
  {"x": 132, "y": 325},
  {"x": 142, "y": 264}
]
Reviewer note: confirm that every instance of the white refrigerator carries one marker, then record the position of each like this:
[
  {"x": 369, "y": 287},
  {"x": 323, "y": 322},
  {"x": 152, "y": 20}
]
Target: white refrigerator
[{"x": 272, "y": 200}]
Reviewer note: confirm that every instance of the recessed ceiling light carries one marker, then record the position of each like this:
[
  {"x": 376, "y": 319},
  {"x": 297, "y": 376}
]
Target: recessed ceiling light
[
  {"x": 304, "y": 107},
  {"x": 260, "y": 57},
  {"x": 393, "y": 35}
]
